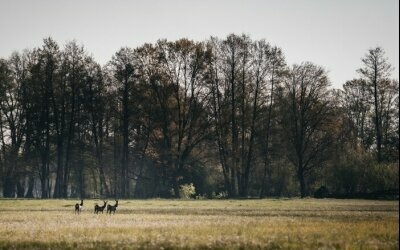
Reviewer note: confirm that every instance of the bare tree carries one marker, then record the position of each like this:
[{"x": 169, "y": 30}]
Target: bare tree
[
  {"x": 306, "y": 111},
  {"x": 357, "y": 105},
  {"x": 123, "y": 70},
  {"x": 242, "y": 73},
  {"x": 178, "y": 90},
  {"x": 95, "y": 102},
  {"x": 275, "y": 74},
  {"x": 376, "y": 70},
  {"x": 225, "y": 78}
]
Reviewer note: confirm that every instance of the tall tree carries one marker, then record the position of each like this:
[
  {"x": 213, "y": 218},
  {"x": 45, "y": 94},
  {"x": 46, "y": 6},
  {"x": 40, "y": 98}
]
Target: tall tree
[
  {"x": 242, "y": 72},
  {"x": 13, "y": 74},
  {"x": 306, "y": 111},
  {"x": 183, "y": 62},
  {"x": 38, "y": 109},
  {"x": 357, "y": 104},
  {"x": 180, "y": 100},
  {"x": 376, "y": 70},
  {"x": 73, "y": 79},
  {"x": 276, "y": 73},
  {"x": 123, "y": 70},
  {"x": 94, "y": 98},
  {"x": 224, "y": 88}
]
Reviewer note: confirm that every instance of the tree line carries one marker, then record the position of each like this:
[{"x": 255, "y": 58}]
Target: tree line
[{"x": 228, "y": 115}]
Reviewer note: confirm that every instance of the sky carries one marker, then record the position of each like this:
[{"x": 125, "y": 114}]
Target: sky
[{"x": 331, "y": 33}]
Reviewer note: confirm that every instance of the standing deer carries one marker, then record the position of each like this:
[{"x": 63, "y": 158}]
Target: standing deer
[
  {"x": 78, "y": 207},
  {"x": 111, "y": 208},
  {"x": 98, "y": 208}
]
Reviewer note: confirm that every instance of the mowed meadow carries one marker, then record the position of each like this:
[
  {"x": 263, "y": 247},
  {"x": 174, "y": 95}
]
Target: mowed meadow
[{"x": 194, "y": 224}]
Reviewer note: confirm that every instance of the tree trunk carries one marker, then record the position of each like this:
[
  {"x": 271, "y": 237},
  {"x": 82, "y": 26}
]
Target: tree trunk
[
  {"x": 251, "y": 142},
  {"x": 59, "y": 126},
  {"x": 59, "y": 178},
  {"x": 81, "y": 180},
  {"x": 103, "y": 183},
  {"x": 125, "y": 145},
  {"x": 233, "y": 191},
  {"x": 234, "y": 152},
  {"x": 44, "y": 182},
  {"x": 176, "y": 188},
  {"x": 266, "y": 174},
  {"x": 377, "y": 122},
  {"x": 69, "y": 145},
  {"x": 9, "y": 187},
  {"x": 31, "y": 184},
  {"x": 266, "y": 152},
  {"x": 302, "y": 183},
  {"x": 20, "y": 189},
  {"x": 219, "y": 131}
]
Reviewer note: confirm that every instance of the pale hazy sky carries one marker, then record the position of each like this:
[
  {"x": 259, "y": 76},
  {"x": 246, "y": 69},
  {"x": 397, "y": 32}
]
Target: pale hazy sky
[{"x": 331, "y": 33}]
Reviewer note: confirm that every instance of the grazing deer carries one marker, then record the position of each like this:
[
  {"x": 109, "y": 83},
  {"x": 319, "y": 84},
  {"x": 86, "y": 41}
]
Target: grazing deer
[
  {"x": 111, "y": 208},
  {"x": 78, "y": 207},
  {"x": 98, "y": 208}
]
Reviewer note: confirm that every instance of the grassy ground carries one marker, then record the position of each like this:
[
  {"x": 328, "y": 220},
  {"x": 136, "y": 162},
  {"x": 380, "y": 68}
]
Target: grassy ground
[{"x": 241, "y": 224}]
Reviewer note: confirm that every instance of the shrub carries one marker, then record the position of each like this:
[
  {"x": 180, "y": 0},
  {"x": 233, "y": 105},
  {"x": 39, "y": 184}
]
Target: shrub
[
  {"x": 220, "y": 195},
  {"x": 201, "y": 197},
  {"x": 187, "y": 191},
  {"x": 321, "y": 192},
  {"x": 360, "y": 173}
]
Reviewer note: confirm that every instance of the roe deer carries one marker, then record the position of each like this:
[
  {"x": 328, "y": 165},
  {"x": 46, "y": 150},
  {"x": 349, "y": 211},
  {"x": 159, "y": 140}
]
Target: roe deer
[
  {"x": 98, "y": 208},
  {"x": 78, "y": 207},
  {"x": 111, "y": 208}
]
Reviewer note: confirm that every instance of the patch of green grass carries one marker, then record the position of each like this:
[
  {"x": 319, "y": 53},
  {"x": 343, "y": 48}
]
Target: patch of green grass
[{"x": 201, "y": 224}]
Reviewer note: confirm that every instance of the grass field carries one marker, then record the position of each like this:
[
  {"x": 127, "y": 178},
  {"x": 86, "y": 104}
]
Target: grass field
[{"x": 164, "y": 224}]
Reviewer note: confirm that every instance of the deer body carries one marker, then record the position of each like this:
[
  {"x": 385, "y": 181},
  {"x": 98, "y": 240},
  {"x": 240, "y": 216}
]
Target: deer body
[
  {"x": 98, "y": 208},
  {"x": 78, "y": 207},
  {"x": 111, "y": 208}
]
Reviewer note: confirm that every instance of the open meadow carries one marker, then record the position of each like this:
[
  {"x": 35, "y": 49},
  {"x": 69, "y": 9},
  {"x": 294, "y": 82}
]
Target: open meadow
[{"x": 163, "y": 224}]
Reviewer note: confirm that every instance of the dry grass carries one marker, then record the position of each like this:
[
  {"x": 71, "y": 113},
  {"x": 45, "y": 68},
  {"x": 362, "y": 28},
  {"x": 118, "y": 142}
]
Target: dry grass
[{"x": 155, "y": 224}]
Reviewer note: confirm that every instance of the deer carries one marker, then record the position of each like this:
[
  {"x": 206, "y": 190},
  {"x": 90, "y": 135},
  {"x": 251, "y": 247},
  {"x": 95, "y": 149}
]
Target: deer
[
  {"x": 111, "y": 208},
  {"x": 78, "y": 207},
  {"x": 98, "y": 208}
]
